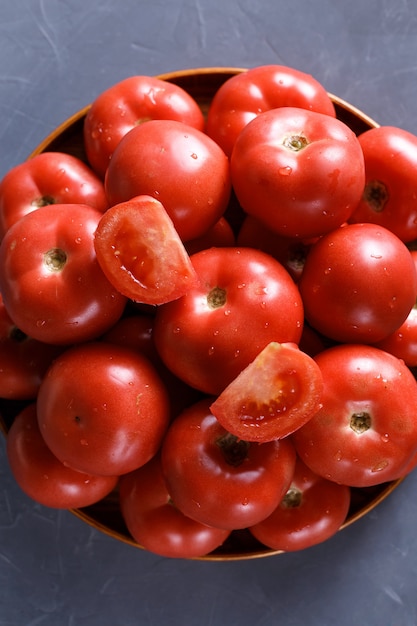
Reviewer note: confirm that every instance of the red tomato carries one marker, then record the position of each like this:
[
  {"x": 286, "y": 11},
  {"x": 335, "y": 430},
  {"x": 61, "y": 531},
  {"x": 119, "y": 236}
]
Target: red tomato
[
  {"x": 130, "y": 102},
  {"x": 244, "y": 96},
  {"x": 42, "y": 476},
  {"x": 102, "y": 409},
  {"x": 48, "y": 178},
  {"x": 23, "y": 360},
  {"x": 219, "y": 480},
  {"x": 141, "y": 253},
  {"x": 312, "y": 511},
  {"x": 366, "y": 431},
  {"x": 273, "y": 396},
  {"x": 358, "y": 284},
  {"x": 52, "y": 285},
  {"x": 220, "y": 235},
  {"x": 244, "y": 300},
  {"x": 300, "y": 172},
  {"x": 390, "y": 195},
  {"x": 156, "y": 523},
  {"x": 178, "y": 165}
]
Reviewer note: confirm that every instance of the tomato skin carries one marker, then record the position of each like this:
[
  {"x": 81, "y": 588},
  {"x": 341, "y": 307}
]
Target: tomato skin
[
  {"x": 52, "y": 285},
  {"x": 366, "y": 431},
  {"x": 390, "y": 195},
  {"x": 154, "y": 521},
  {"x": 300, "y": 172},
  {"x": 338, "y": 274},
  {"x": 141, "y": 253},
  {"x": 244, "y": 96},
  {"x": 220, "y": 481},
  {"x": 311, "y": 512},
  {"x": 178, "y": 165},
  {"x": 102, "y": 409},
  {"x": 48, "y": 178},
  {"x": 42, "y": 476},
  {"x": 209, "y": 335},
  {"x": 277, "y": 393},
  {"x": 220, "y": 235},
  {"x": 124, "y": 105}
]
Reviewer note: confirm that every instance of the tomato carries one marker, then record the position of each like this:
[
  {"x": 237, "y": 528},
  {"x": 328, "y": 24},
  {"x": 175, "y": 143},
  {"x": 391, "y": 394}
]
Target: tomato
[
  {"x": 48, "y": 178},
  {"x": 312, "y": 511},
  {"x": 154, "y": 521},
  {"x": 141, "y": 253},
  {"x": 178, "y": 165},
  {"x": 366, "y": 431},
  {"x": 128, "y": 103},
  {"x": 244, "y": 300},
  {"x": 273, "y": 396},
  {"x": 390, "y": 195},
  {"x": 23, "y": 360},
  {"x": 219, "y": 480},
  {"x": 300, "y": 172},
  {"x": 42, "y": 476},
  {"x": 358, "y": 283},
  {"x": 220, "y": 235},
  {"x": 52, "y": 285},
  {"x": 244, "y": 96},
  {"x": 102, "y": 409}
]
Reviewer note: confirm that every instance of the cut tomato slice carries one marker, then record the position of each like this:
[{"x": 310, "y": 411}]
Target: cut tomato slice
[
  {"x": 141, "y": 253},
  {"x": 277, "y": 393}
]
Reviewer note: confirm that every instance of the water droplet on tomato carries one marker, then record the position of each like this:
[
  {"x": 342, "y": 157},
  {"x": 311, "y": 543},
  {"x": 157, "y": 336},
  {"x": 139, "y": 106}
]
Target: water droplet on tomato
[
  {"x": 211, "y": 350},
  {"x": 379, "y": 466},
  {"x": 285, "y": 171}
]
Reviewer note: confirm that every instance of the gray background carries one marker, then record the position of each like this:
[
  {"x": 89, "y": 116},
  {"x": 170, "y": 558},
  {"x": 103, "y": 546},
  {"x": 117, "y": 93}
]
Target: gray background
[{"x": 55, "y": 57}]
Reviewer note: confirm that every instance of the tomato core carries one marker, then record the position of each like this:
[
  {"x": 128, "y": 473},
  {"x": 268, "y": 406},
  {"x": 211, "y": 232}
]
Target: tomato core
[
  {"x": 295, "y": 142},
  {"x": 234, "y": 450},
  {"x": 55, "y": 259},
  {"x": 216, "y": 298},
  {"x": 360, "y": 422},
  {"x": 376, "y": 195}
]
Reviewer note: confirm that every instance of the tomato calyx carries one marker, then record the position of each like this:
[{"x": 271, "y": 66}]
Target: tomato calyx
[
  {"x": 295, "y": 142},
  {"x": 45, "y": 200},
  {"x": 55, "y": 259},
  {"x": 234, "y": 450},
  {"x": 216, "y": 298},
  {"x": 292, "y": 498},
  {"x": 376, "y": 195},
  {"x": 360, "y": 422}
]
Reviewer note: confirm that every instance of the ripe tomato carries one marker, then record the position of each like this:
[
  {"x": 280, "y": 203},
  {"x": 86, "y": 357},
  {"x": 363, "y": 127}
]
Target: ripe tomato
[
  {"x": 42, "y": 476},
  {"x": 300, "y": 172},
  {"x": 102, "y": 409},
  {"x": 220, "y": 235},
  {"x": 23, "y": 360},
  {"x": 178, "y": 165},
  {"x": 273, "y": 396},
  {"x": 244, "y": 300},
  {"x": 244, "y": 96},
  {"x": 48, "y": 178},
  {"x": 312, "y": 511},
  {"x": 390, "y": 195},
  {"x": 156, "y": 523},
  {"x": 358, "y": 283},
  {"x": 52, "y": 285},
  {"x": 366, "y": 431},
  {"x": 132, "y": 101},
  {"x": 141, "y": 253},
  {"x": 219, "y": 480}
]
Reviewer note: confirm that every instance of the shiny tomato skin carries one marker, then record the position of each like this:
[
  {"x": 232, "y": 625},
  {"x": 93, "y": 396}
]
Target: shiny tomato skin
[
  {"x": 42, "y": 476},
  {"x": 218, "y": 480},
  {"x": 366, "y": 431},
  {"x": 52, "y": 285},
  {"x": 178, "y": 165},
  {"x": 312, "y": 511},
  {"x": 244, "y": 300},
  {"x": 220, "y": 235},
  {"x": 129, "y": 102},
  {"x": 102, "y": 408},
  {"x": 300, "y": 172},
  {"x": 244, "y": 96},
  {"x": 48, "y": 178},
  {"x": 390, "y": 195},
  {"x": 154, "y": 521},
  {"x": 358, "y": 283}
]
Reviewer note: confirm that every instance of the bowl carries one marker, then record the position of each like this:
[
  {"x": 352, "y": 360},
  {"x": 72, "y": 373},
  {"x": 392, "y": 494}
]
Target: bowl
[{"x": 105, "y": 515}]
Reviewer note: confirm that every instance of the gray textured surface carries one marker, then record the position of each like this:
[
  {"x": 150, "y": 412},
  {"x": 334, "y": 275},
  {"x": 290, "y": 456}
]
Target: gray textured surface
[{"x": 56, "y": 56}]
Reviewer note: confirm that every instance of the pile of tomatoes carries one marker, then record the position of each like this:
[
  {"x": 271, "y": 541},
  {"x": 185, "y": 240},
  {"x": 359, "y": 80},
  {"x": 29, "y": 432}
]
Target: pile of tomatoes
[{"x": 213, "y": 316}]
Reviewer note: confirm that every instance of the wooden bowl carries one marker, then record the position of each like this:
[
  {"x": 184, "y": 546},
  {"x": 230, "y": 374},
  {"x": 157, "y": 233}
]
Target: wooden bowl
[{"x": 105, "y": 516}]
